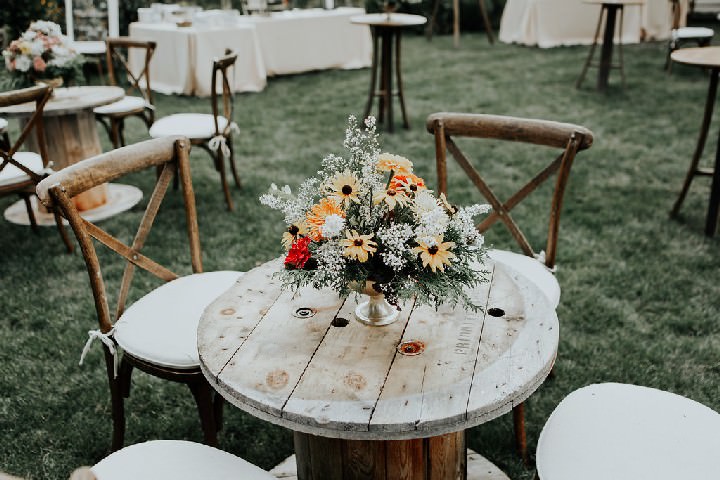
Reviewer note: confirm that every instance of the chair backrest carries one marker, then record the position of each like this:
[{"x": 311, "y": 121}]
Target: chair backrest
[
  {"x": 168, "y": 155},
  {"x": 220, "y": 68},
  {"x": 570, "y": 138},
  {"x": 39, "y": 95},
  {"x": 117, "y": 47}
]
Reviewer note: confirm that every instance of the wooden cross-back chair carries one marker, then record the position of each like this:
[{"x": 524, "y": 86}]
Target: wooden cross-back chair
[
  {"x": 212, "y": 132},
  {"x": 570, "y": 139},
  {"x": 157, "y": 333},
  {"x": 138, "y": 100},
  {"x": 21, "y": 171}
]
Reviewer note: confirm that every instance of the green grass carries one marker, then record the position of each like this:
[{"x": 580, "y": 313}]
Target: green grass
[{"x": 640, "y": 291}]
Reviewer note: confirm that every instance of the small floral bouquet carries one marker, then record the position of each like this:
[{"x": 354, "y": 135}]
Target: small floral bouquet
[
  {"x": 368, "y": 218},
  {"x": 42, "y": 53}
]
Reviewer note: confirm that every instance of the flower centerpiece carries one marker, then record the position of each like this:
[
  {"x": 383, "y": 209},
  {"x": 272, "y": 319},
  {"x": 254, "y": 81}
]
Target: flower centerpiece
[
  {"x": 42, "y": 53},
  {"x": 367, "y": 223}
]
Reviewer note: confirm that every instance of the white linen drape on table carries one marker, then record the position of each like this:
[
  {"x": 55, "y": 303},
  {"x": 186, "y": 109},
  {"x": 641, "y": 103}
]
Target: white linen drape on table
[{"x": 553, "y": 23}]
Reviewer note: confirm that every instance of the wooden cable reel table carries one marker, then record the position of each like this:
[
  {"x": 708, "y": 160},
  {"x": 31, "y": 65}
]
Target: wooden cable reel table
[{"x": 388, "y": 402}]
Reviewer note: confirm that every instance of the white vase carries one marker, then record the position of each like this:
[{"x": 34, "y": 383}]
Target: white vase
[{"x": 375, "y": 311}]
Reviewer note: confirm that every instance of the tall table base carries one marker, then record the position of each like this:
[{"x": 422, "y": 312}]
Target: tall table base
[
  {"x": 694, "y": 170},
  {"x": 610, "y": 10}
]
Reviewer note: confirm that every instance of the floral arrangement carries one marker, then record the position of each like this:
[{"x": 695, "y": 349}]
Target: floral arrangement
[
  {"x": 42, "y": 52},
  {"x": 368, "y": 217}
]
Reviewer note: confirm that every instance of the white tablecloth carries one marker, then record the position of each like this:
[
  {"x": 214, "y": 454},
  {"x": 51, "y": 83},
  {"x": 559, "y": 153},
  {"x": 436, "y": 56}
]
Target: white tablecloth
[
  {"x": 315, "y": 39},
  {"x": 552, "y": 23},
  {"x": 283, "y": 43},
  {"x": 183, "y": 58}
]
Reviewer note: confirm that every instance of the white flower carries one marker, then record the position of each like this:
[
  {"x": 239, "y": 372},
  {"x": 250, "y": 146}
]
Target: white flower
[
  {"x": 22, "y": 63},
  {"x": 333, "y": 225},
  {"x": 29, "y": 35},
  {"x": 37, "y": 48},
  {"x": 424, "y": 202}
]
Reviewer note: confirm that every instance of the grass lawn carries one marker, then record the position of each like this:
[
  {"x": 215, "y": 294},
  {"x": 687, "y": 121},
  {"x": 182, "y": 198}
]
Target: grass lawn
[{"x": 640, "y": 300}]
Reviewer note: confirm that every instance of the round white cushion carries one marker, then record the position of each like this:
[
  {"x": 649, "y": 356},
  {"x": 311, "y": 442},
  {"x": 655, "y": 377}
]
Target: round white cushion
[
  {"x": 532, "y": 269},
  {"x": 127, "y": 104},
  {"x": 89, "y": 47},
  {"x": 161, "y": 327},
  {"x": 693, "y": 32},
  {"x": 12, "y": 174},
  {"x": 627, "y": 432},
  {"x": 3, "y": 124},
  {"x": 191, "y": 125},
  {"x": 176, "y": 460}
]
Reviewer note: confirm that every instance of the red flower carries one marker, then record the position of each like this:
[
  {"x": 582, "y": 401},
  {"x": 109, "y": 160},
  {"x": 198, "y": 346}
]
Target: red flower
[{"x": 298, "y": 254}]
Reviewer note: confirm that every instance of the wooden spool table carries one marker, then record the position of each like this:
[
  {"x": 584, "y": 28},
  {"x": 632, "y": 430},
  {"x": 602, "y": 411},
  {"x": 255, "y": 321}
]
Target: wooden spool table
[
  {"x": 387, "y": 27},
  {"x": 705, "y": 57},
  {"x": 71, "y": 135},
  {"x": 610, "y": 8},
  {"x": 368, "y": 402}
]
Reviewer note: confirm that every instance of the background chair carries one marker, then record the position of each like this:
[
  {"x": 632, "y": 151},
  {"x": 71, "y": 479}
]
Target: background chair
[
  {"x": 20, "y": 171},
  {"x": 158, "y": 333},
  {"x": 113, "y": 116},
  {"x": 627, "y": 432},
  {"x": 702, "y": 36},
  {"x": 537, "y": 266},
  {"x": 93, "y": 25},
  {"x": 4, "y": 138},
  {"x": 172, "y": 460},
  {"x": 211, "y": 132}
]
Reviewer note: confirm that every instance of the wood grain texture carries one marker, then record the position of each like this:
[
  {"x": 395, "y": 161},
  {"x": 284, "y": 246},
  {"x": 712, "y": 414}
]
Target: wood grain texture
[
  {"x": 68, "y": 101},
  {"x": 350, "y": 382},
  {"x": 478, "y": 468}
]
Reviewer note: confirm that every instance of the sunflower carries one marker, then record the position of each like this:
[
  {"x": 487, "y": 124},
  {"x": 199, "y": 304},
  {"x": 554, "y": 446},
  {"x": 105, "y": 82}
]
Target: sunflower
[
  {"x": 408, "y": 184},
  {"x": 316, "y": 216},
  {"x": 358, "y": 246},
  {"x": 391, "y": 197},
  {"x": 435, "y": 254},
  {"x": 293, "y": 232},
  {"x": 387, "y": 162},
  {"x": 345, "y": 187}
]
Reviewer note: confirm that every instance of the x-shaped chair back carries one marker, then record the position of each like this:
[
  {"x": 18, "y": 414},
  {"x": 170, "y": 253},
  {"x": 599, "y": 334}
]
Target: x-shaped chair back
[
  {"x": 167, "y": 154},
  {"x": 39, "y": 95},
  {"x": 567, "y": 137},
  {"x": 139, "y": 82},
  {"x": 223, "y": 102}
]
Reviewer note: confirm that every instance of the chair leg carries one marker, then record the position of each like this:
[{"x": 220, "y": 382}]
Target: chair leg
[
  {"x": 114, "y": 133},
  {"x": 220, "y": 165},
  {"x": 117, "y": 400},
  {"x": 121, "y": 130},
  {"x": 620, "y": 48},
  {"x": 431, "y": 24},
  {"x": 591, "y": 54},
  {"x": 520, "y": 437},
  {"x": 486, "y": 22},
  {"x": 218, "y": 411},
  {"x": 233, "y": 167},
  {"x": 31, "y": 214},
  {"x": 202, "y": 392}
]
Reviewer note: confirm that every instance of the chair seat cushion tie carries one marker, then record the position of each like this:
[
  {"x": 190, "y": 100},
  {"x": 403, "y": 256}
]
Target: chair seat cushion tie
[{"x": 107, "y": 340}]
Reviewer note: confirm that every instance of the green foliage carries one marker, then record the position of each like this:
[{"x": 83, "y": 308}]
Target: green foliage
[{"x": 16, "y": 15}]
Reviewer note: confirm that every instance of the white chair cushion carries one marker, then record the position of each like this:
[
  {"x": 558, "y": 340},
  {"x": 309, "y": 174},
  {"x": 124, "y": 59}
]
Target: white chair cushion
[
  {"x": 89, "y": 47},
  {"x": 161, "y": 327},
  {"x": 692, "y": 32},
  {"x": 176, "y": 460},
  {"x": 626, "y": 432},
  {"x": 532, "y": 269},
  {"x": 12, "y": 174},
  {"x": 127, "y": 104},
  {"x": 191, "y": 125},
  {"x": 3, "y": 124}
]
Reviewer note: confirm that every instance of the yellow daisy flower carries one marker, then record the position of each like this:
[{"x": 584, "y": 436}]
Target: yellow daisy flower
[
  {"x": 391, "y": 197},
  {"x": 358, "y": 246},
  {"x": 293, "y": 232},
  {"x": 316, "y": 216},
  {"x": 345, "y": 187},
  {"x": 388, "y": 162},
  {"x": 435, "y": 254}
]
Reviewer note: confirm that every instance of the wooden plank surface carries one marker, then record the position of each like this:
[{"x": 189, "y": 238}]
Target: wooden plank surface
[
  {"x": 66, "y": 101},
  {"x": 351, "y": 382}
]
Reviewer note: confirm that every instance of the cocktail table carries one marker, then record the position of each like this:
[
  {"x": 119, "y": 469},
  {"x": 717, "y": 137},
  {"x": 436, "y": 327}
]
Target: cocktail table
[{"x": 388, "y": 402}]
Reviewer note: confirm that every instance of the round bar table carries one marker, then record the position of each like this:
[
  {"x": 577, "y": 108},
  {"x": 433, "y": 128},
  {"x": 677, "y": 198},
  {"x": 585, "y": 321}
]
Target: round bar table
[
  {"x": 610, "y": 8},
  {"x": 706, "y": 57},
  {"x": 70, "y": 130},
  {"x": 387, "y": 27},
  {"x": 368, "y": 402}
]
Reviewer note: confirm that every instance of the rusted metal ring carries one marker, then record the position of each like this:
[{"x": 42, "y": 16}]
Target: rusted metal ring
[
  {"x": 304, "y": 312},
  {"x": 411, "y": 348}
]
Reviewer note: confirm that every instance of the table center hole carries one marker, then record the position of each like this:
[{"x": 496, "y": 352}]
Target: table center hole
[
  {"x": 496, "y": 312},
  {"x": 304, "y": 312}
]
